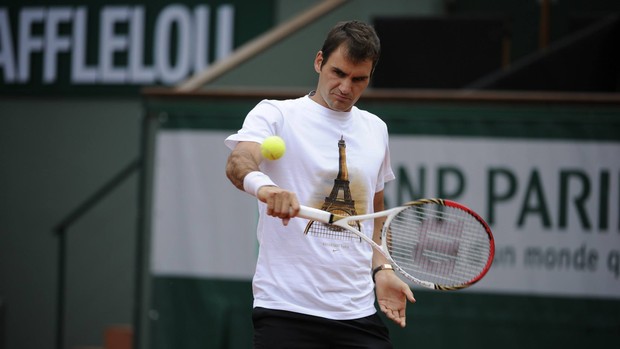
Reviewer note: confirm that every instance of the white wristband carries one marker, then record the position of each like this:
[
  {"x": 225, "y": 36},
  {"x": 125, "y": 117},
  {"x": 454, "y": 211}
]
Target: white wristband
[{"x": 254, "y": 180}]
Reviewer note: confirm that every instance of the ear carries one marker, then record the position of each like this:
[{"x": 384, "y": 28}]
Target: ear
[{"x": 318, "y": 61}]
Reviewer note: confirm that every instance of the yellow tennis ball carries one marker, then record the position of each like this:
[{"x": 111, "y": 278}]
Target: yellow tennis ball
[{"x": 273, "y": 148}]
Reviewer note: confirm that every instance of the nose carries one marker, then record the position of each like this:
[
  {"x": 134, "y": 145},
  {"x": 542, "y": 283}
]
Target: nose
[{"x": 345, "y": 87}]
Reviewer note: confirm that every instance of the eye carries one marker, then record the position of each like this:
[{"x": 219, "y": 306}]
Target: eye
[{"x": 339, "y": 73}]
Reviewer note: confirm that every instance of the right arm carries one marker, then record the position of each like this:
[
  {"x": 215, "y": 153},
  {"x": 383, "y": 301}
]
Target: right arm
[{"x": 245, "y": 158}]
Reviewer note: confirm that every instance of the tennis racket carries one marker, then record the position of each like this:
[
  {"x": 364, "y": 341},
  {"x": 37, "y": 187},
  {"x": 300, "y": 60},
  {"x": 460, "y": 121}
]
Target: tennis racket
[{"x": 435, "y": 243}]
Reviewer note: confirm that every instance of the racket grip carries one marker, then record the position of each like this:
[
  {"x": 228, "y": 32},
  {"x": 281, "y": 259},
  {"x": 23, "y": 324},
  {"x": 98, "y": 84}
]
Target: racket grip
[{"x": 315, "y": 214}]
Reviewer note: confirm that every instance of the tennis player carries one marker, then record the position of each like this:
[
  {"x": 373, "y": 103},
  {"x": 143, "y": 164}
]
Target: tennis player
[{"x": 318, "y": 290}]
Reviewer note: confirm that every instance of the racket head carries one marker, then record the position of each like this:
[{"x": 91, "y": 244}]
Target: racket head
[{"x": 439, "y": 244}]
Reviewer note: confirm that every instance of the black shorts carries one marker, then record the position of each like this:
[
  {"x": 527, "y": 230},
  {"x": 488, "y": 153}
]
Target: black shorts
[{"x": 275, "y": 329}]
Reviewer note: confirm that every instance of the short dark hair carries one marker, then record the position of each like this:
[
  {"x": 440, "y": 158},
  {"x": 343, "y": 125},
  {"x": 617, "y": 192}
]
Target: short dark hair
[{"x": 361, "y": 40}]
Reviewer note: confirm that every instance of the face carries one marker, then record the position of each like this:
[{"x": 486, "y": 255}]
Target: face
[{"x": 341, "y": 82}]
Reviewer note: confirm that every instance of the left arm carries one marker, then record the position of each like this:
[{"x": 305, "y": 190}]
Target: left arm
[
  {"x": 392, "y": 293},
  {"x": 377, "y": 257}
]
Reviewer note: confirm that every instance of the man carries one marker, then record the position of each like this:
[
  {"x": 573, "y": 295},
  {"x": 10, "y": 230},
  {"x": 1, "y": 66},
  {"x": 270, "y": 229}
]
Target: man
[{"x": 313, "y": 287}]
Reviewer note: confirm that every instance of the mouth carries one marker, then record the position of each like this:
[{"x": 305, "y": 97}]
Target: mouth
[{"x": 341, "y": 97}]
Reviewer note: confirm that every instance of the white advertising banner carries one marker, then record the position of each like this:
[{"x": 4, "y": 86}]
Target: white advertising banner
[
  {"x": 553, "y": 206},
  {"x": 202, "y": 225}
]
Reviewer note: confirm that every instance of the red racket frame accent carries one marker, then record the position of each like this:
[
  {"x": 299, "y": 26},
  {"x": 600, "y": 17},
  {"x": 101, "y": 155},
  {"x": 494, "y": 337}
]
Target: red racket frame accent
[{"x": 459, "y": 206}]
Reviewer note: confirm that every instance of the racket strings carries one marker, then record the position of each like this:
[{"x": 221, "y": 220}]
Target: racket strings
[
  {"x": 319, "y": 229},
  {"x": 323, "y": 230},
  {"x": 439, "y": 244}
]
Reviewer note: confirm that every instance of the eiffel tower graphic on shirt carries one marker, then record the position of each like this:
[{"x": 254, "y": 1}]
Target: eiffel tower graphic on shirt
[{"x": 336, "y": 203}]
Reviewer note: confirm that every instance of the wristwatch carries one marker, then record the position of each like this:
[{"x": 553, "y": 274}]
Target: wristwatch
[{"x": 379, "y": 268}]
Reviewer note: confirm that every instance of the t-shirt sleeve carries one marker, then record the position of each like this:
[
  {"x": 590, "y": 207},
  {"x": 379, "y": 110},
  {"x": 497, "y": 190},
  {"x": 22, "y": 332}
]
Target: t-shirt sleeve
[
  {"x": 264, "y": 120},
  {"x": 386, "y": 173}
]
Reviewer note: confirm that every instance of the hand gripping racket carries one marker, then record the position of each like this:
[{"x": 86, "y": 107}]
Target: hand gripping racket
[{"x": 435, "y": 243}]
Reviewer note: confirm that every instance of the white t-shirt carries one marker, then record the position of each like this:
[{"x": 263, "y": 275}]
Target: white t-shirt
[{"x": 306, "y": 273}]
